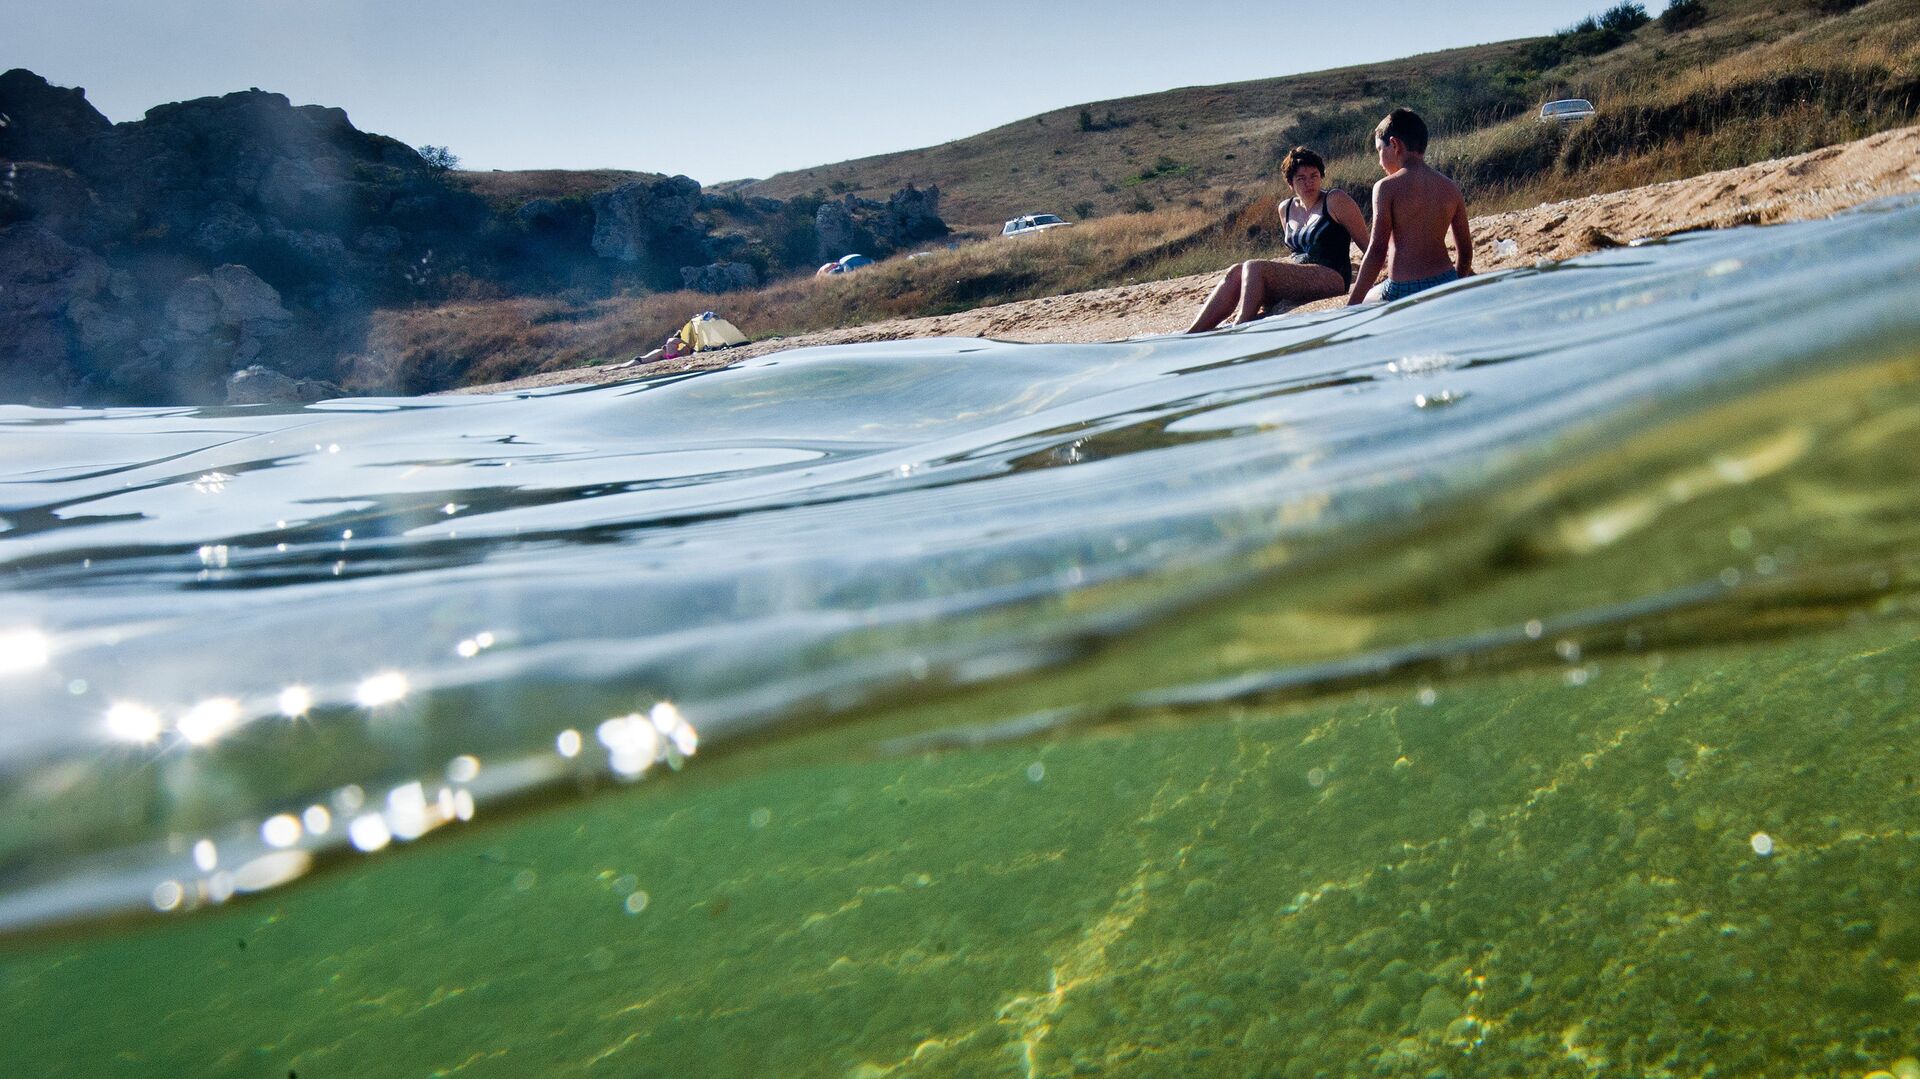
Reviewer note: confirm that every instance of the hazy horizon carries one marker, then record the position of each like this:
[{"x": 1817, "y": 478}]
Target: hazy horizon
[{"x": 661, "y": 88}]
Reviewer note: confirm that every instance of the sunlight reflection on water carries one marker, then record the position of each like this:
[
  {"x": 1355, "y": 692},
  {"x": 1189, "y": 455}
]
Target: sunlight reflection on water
[{"x": 452, "y": 590}]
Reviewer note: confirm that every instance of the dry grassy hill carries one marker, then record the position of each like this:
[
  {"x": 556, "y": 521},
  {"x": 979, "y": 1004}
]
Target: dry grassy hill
[
  {"x": 1745, "y": 81},
  {"x": 1211, "y": 147},
  {"x": 1208, "y": 146},
  {"x": 1195, "y": 146}
]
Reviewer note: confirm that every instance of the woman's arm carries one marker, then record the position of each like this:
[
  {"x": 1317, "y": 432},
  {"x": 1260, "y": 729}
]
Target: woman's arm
[{"x": 1347, "y": 212}]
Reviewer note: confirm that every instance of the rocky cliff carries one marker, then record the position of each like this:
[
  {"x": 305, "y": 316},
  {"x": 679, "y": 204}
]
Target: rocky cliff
[{"x": 152, "y": 262}]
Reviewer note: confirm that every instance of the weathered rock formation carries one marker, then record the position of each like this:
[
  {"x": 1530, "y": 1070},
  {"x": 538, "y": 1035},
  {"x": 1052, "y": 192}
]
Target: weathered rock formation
[
  {"x": 872, "y": 228},
  {"x": 43, "y": 122},
  {"x": 719, "y": 277},
  {"x": 149, "y": 262},
  {"x": 640, "y": 222},
  {"x": 257, "y": 385}
]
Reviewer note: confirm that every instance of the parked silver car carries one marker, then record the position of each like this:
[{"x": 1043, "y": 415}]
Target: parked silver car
[
  {"x": 1566, "y": 110},
  {"x": 1027, "y": 224}
]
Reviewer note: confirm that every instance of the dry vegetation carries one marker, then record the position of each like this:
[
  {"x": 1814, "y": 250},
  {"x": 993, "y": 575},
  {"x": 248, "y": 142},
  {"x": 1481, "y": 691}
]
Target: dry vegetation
[
  {"x": 512, "y": 188},
  {"x": 427, "y": 348},
  {"x": 1193, "y": 148},
  {"x": 1729, "y": 102},
  {"x": 1753, "y": 81}
]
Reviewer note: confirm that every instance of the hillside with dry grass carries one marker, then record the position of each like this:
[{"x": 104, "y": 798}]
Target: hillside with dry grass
[
  {"x": 1210, "y": 147},
  {"x": 504, "y": 189},
  {"x": 1193, "y": 148},
  {"x": 1182, "y": 183}
]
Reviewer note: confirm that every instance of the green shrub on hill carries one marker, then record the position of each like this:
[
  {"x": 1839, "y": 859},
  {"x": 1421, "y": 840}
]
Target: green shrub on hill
[
  {"x": 1331, "y": 132},
  {"x": 1592, "y": 35},
  {"x": 1165, "y": 168},
  {"x": 1683, "y": 15}
]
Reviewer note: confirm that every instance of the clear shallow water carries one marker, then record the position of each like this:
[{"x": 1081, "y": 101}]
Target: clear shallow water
[{"x": 1173, "y": 686}]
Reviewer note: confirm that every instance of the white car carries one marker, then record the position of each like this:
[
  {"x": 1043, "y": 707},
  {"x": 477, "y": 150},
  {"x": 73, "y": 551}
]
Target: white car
[
  {"x": 1028, "y": 224},
  {"x": 1566, "y": 110}
]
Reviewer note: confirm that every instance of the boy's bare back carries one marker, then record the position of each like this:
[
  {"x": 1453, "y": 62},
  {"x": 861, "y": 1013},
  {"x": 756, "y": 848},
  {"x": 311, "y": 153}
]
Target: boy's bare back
[
  {"x": 1414, "y": 207},
  {"x": 1419, "y": 207}
]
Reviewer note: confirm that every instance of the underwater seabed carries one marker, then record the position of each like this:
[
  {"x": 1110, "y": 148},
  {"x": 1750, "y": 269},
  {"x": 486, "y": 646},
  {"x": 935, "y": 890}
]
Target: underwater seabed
[
  {"x": 1588, "y": 749},
  {"x": 1674, "y": 836},
  {"x": 1689, "y": 862}
]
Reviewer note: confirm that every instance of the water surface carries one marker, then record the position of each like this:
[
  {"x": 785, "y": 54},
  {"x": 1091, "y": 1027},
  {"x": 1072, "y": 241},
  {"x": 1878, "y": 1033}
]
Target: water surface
[{"x": 1513, "y": 680}]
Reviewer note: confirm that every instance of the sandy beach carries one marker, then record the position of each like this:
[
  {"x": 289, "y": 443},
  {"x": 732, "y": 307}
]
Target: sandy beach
[{"x": 1806, "y": 186}]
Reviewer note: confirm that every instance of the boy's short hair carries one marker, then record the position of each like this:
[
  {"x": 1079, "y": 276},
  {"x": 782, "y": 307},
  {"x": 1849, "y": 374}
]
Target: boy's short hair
[
  {"x": 1405, "y": 125},
  {"x": 1300, "y": 157}
]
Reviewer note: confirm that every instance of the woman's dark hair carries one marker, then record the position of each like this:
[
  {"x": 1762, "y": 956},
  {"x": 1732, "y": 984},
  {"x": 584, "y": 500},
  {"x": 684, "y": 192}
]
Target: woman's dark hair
[
  {"x": 1405, "y": 125},
  {"x": 1300, "y": 157}
]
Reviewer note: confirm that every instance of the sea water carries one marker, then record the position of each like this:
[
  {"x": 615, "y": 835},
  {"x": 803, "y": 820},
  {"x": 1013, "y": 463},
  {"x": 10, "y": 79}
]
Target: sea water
[{"x": 1519, "y": 679}]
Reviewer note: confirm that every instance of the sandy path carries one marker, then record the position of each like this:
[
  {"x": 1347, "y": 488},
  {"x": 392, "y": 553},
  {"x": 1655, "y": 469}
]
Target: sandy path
[{"x": 1787, "y": 189}]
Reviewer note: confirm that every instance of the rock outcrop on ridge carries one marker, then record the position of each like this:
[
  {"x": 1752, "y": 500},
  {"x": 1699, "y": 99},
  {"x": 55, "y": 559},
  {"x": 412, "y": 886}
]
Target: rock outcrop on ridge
[{"x": 149, "y": 262}]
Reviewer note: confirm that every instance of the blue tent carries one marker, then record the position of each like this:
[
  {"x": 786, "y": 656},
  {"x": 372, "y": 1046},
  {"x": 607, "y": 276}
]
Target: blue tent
[{"x": 848, "y": 262}]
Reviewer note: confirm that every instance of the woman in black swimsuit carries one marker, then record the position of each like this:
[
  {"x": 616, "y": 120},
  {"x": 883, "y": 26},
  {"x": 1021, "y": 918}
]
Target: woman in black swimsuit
[{"x": 1321, "y": 227}]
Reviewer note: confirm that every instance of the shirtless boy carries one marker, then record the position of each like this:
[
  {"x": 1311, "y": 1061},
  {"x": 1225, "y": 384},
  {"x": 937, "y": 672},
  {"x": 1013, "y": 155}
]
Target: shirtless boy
[{"x": 1414, "y": 207}]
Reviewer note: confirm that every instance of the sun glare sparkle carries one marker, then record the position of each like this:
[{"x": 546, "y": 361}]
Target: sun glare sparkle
[
  {"x": 270, "y": 870},
  {"x": 317, "y": 820},
  {"x": 665, "y": 717},
  {"x": 281, "y": 830},
  {"x": 295, "y": 701},
  {"x": 133, "y": 722},
  {"x": 384, "y": 688},
  {"x": 22, "y": 650},
  {"x": 207, "y": 721},
  {"x": 369, "y": 833},
  {"x": 408, "y": 816}
]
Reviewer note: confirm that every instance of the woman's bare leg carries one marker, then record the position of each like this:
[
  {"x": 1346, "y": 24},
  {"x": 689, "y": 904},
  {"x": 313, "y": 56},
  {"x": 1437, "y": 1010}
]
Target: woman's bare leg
[
  {"x": 1226, "y": 295},
  {"x": 1256, "y": 285},
  {"x": 1253, "y": 290},
  {"x": 1268, "y": 284}
]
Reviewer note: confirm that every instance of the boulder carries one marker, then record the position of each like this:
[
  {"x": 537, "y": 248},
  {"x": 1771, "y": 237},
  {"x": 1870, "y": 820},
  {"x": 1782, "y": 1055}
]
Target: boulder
[
  {"x": 193, "y": 308},
  {"x": 257, "y": 385},
  {"x": 101, "y": 326},
  {"x": 41, "y": 274},
  {"x": 913, "y": 215},
  {"x": 41, "y": 278},
  {"x": 245, "y": 299},
  {"x": 909, "y": 216},
  {"x": 231, "y": 296},
  {"x": 44, "y": 122},
  {"x": 719, "y": 277},
  {"x": 226, "y": 228},
  {"x": 640, "y": 221},
  {"x": 840, "y": 231}
]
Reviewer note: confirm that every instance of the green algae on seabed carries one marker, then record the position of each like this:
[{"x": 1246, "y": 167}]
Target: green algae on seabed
[{"x": 1533, "y": 874}]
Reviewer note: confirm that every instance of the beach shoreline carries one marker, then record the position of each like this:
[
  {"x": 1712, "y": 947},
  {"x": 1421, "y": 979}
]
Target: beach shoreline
[{"x": 1811, "y": 185}]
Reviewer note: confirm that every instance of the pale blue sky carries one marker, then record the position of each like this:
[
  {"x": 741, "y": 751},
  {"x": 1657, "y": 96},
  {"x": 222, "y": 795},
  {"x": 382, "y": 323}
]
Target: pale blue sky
[{"x": 717, "y": 92}]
